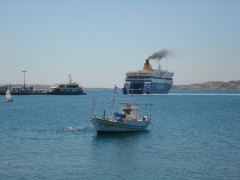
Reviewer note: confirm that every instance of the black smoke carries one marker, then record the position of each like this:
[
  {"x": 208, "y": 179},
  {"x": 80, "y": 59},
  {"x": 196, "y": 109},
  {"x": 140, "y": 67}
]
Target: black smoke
[{"x": 159, "y": 55}]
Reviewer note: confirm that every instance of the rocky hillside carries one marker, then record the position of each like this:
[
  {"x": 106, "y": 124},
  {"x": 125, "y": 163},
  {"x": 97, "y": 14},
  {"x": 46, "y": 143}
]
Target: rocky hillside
[{"x": 212, "y": 85}]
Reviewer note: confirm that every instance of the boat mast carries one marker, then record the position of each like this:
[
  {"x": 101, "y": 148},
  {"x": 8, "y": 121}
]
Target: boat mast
[{"x": 70, "y": 78}]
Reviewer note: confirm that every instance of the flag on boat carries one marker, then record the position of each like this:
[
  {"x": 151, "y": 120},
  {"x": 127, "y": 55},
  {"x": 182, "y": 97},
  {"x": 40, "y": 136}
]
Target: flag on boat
[{"x": 116, "y": 89}]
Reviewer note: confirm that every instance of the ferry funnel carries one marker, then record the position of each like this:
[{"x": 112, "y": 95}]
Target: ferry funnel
[{"x": 147, "y": 66}]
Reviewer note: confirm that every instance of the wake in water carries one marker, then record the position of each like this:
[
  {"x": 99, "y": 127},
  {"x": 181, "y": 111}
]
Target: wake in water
[
  {"x": 76, "y": 128},
  {"x": 72, "y": 129}
]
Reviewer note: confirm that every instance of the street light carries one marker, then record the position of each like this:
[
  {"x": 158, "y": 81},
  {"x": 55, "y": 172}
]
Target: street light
[{"x": 24, "y": 79}]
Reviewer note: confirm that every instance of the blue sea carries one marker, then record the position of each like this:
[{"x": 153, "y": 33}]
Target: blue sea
[{"x": 194, "y": 135}]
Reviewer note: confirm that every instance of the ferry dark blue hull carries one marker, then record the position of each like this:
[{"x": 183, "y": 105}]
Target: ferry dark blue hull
[{"x": 149, "y": 88}]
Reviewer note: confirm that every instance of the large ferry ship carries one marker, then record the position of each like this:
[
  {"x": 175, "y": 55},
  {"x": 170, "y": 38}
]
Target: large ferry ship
[
  {"x": 148, "y": 81},
  {"x": 72, "y": 88}
]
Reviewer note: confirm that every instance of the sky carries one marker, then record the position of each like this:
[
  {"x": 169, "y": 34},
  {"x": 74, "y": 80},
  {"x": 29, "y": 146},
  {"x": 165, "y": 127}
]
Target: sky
[{"x": 97, "y": 42}]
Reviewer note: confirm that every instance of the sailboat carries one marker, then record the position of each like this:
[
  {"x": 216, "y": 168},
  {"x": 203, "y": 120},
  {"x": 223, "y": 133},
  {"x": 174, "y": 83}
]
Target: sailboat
[{"x": 8, "y": 96}]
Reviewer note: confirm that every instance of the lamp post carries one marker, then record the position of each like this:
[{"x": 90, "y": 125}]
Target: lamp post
[{"x": 24, "y": 79}]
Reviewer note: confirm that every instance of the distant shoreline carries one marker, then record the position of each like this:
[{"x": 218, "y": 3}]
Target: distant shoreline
[
  {"x": 97, "y": 88},
  {"x": 206, "y": 86}
]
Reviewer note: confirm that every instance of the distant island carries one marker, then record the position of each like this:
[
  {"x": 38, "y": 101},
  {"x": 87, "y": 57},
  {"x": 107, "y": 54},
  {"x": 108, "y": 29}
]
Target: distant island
[
  {"x": 207, "y": 86},
  {"x": 211, "y": 85}
]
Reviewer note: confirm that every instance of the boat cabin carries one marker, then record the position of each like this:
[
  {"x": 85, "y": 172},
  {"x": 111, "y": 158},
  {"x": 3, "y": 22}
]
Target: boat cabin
[{"x": 131, "y": 112}]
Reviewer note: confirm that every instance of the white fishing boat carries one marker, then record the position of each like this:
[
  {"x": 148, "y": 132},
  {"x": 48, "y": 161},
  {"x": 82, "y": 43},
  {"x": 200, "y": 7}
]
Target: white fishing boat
[
  {"x": 127, "y": 118},
  {"x": 8, "y": 96}
]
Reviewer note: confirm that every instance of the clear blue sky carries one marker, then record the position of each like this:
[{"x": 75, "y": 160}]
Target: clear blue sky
[{"x": 99, "y": 41}]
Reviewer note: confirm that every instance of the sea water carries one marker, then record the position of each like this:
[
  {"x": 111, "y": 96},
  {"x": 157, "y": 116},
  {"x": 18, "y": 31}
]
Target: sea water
[{"x": 194, "y": 135}]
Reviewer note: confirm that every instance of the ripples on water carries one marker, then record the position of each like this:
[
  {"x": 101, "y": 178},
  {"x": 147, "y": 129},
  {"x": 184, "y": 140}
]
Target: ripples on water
[{"x": 195, "y": 135}]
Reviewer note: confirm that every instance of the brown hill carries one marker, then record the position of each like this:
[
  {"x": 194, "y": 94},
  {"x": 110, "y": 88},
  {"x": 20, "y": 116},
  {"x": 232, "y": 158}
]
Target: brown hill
[{"x": 212, "y": 85}]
